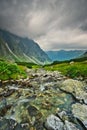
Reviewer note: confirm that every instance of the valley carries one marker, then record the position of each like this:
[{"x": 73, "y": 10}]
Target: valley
[
  {"x": 38, "y": 94},
  {"x": 43, "y": 64}
]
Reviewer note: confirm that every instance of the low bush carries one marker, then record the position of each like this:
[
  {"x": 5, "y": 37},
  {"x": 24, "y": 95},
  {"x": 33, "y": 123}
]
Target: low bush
[{"x": 10, "y": 71}]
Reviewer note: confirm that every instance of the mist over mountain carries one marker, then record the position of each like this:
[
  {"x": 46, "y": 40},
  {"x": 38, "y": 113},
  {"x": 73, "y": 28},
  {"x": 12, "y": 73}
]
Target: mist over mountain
[
  {"x": 62, "y": 55},
  {"x": 15, "y": 48}
]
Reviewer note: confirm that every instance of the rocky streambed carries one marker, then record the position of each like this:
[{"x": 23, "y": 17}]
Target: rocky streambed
[{"x": 44, "y": 101}]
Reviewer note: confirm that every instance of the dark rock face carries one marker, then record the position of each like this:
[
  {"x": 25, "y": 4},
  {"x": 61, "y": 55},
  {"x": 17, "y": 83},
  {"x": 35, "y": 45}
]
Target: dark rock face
[
  {"x": 43, "y": 101},
  {"x": 16, "y": 48}
]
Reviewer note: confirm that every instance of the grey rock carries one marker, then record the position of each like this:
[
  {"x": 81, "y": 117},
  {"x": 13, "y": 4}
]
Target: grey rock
[
  {"x": 62, "y": 114},
  {"x": 42, "y": 87},
  {"x": 70, "y": 126},
  {"x": 54, "y": 123},
  {"x": 76, "y": 88},
  {"x": 80, "y": 112}
]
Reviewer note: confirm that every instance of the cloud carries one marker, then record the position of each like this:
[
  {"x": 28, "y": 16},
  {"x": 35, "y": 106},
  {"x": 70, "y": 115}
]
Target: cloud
[
  {"x": 54, "y": 24},
  {"x": 62, "y": 39}
]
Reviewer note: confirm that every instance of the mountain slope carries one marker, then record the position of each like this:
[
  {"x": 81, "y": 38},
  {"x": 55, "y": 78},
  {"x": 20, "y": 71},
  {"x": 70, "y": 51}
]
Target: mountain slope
[
  {"x": 15, "y": 48},
  {"x": 85, "y": 54},
  {"x": 5, "y": 51},
  {"x": 83, "y": 57},
  {"x": 63, "y": 55}
]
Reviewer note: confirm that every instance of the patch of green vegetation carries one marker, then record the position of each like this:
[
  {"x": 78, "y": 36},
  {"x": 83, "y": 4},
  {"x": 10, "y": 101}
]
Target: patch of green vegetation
[
  {"x": 81, "y": 59},
  {"x": 10, "y": 71},
  {"x": 28, "y": 65},
  {"x": 75, "y": 69}
]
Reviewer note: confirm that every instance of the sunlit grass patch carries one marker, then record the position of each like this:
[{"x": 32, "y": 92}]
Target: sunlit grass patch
[{"x": 75, "y": 69}]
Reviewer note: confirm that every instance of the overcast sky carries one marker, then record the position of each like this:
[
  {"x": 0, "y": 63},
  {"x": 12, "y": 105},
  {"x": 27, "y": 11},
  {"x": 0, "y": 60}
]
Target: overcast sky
[{"x": 53, "y": 24}]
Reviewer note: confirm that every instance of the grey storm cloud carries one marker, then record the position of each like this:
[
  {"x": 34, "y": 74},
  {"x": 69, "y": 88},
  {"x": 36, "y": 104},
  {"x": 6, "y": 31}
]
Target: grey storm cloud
[{"x": 54, "y": 24}]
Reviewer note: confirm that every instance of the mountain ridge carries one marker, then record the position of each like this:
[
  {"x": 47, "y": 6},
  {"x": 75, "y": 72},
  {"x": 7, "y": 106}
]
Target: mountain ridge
[
  {"x": 63, "y": 55},
  {"x": 16, "y": 48}
]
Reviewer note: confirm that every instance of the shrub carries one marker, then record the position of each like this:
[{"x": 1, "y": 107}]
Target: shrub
[{"x": 10, "y": 71}]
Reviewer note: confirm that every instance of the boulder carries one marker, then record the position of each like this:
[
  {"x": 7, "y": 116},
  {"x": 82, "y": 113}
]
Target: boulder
[
  {"x": 80, "y": 112},
  {"x": 53, "y": 123},
  {"x": 70, "y": 126},
  {"x": 76, "y": 88}
]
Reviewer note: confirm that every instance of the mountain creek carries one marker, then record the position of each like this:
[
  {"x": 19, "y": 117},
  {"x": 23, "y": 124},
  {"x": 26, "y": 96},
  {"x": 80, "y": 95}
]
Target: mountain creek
[{"x": 44, "y": 101}]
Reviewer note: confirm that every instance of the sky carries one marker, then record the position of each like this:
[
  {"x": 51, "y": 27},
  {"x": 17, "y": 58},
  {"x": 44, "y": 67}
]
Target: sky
[{"x": 53, "y": 24}]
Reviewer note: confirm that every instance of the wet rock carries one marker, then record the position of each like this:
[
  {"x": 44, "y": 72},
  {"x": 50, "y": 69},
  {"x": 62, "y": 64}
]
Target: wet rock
[
  {"x": 54, "y": 123},
  {"x": 80, "y": 112},
  {"x": 24, "y": 113},
  {"x": 6, "y": 124},
  {"x": 70, "y": 126},
  {"x": 1, "y": 90},
  {"x": 5, "y": 82},
  {"x": 32, "y": 110},
  {"x": 8, "y": 93},
  {"x": 19, "y": 112},
  {"x": 39, "y": 125},
  {"x": 62, "y": 115},
  {"x": 42, "y": 87},
  {"x": 76, "y": 88},
  {"x": 4, "y": 107},
  {"x": 25, "y": 126},
  {"x": 35, "y": 116}
]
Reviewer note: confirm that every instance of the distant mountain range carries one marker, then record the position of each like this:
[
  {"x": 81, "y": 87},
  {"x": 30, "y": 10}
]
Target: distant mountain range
[
  {"x": 63, "y": 55},
  {"x": 15, "y": 48}
]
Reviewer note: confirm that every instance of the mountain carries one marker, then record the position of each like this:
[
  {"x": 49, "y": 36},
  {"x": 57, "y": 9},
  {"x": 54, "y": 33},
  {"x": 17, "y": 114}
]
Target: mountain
[
  {"x": 83, "y": 57},
  {"x": 85, "y": 54},
  {"x": 63, "y": 55},
  {"x": 15, "y": 48}
]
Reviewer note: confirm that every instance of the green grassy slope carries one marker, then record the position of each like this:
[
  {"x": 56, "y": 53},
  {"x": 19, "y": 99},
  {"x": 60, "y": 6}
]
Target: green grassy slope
[{"x": 72, "y": 70}]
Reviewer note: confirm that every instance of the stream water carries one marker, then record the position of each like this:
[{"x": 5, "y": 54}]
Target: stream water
[{"x": 30, "y": 105}]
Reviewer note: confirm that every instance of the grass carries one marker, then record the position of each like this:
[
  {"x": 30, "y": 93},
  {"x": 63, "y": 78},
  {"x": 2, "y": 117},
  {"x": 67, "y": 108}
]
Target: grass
[
  {"x": 28, "y": 65},
  {"x": 73, "y": 70},
  {"x": 15, "y": 70},
  {"x": 11, "y": 71},
  {"x": 18, "y": 70}
]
